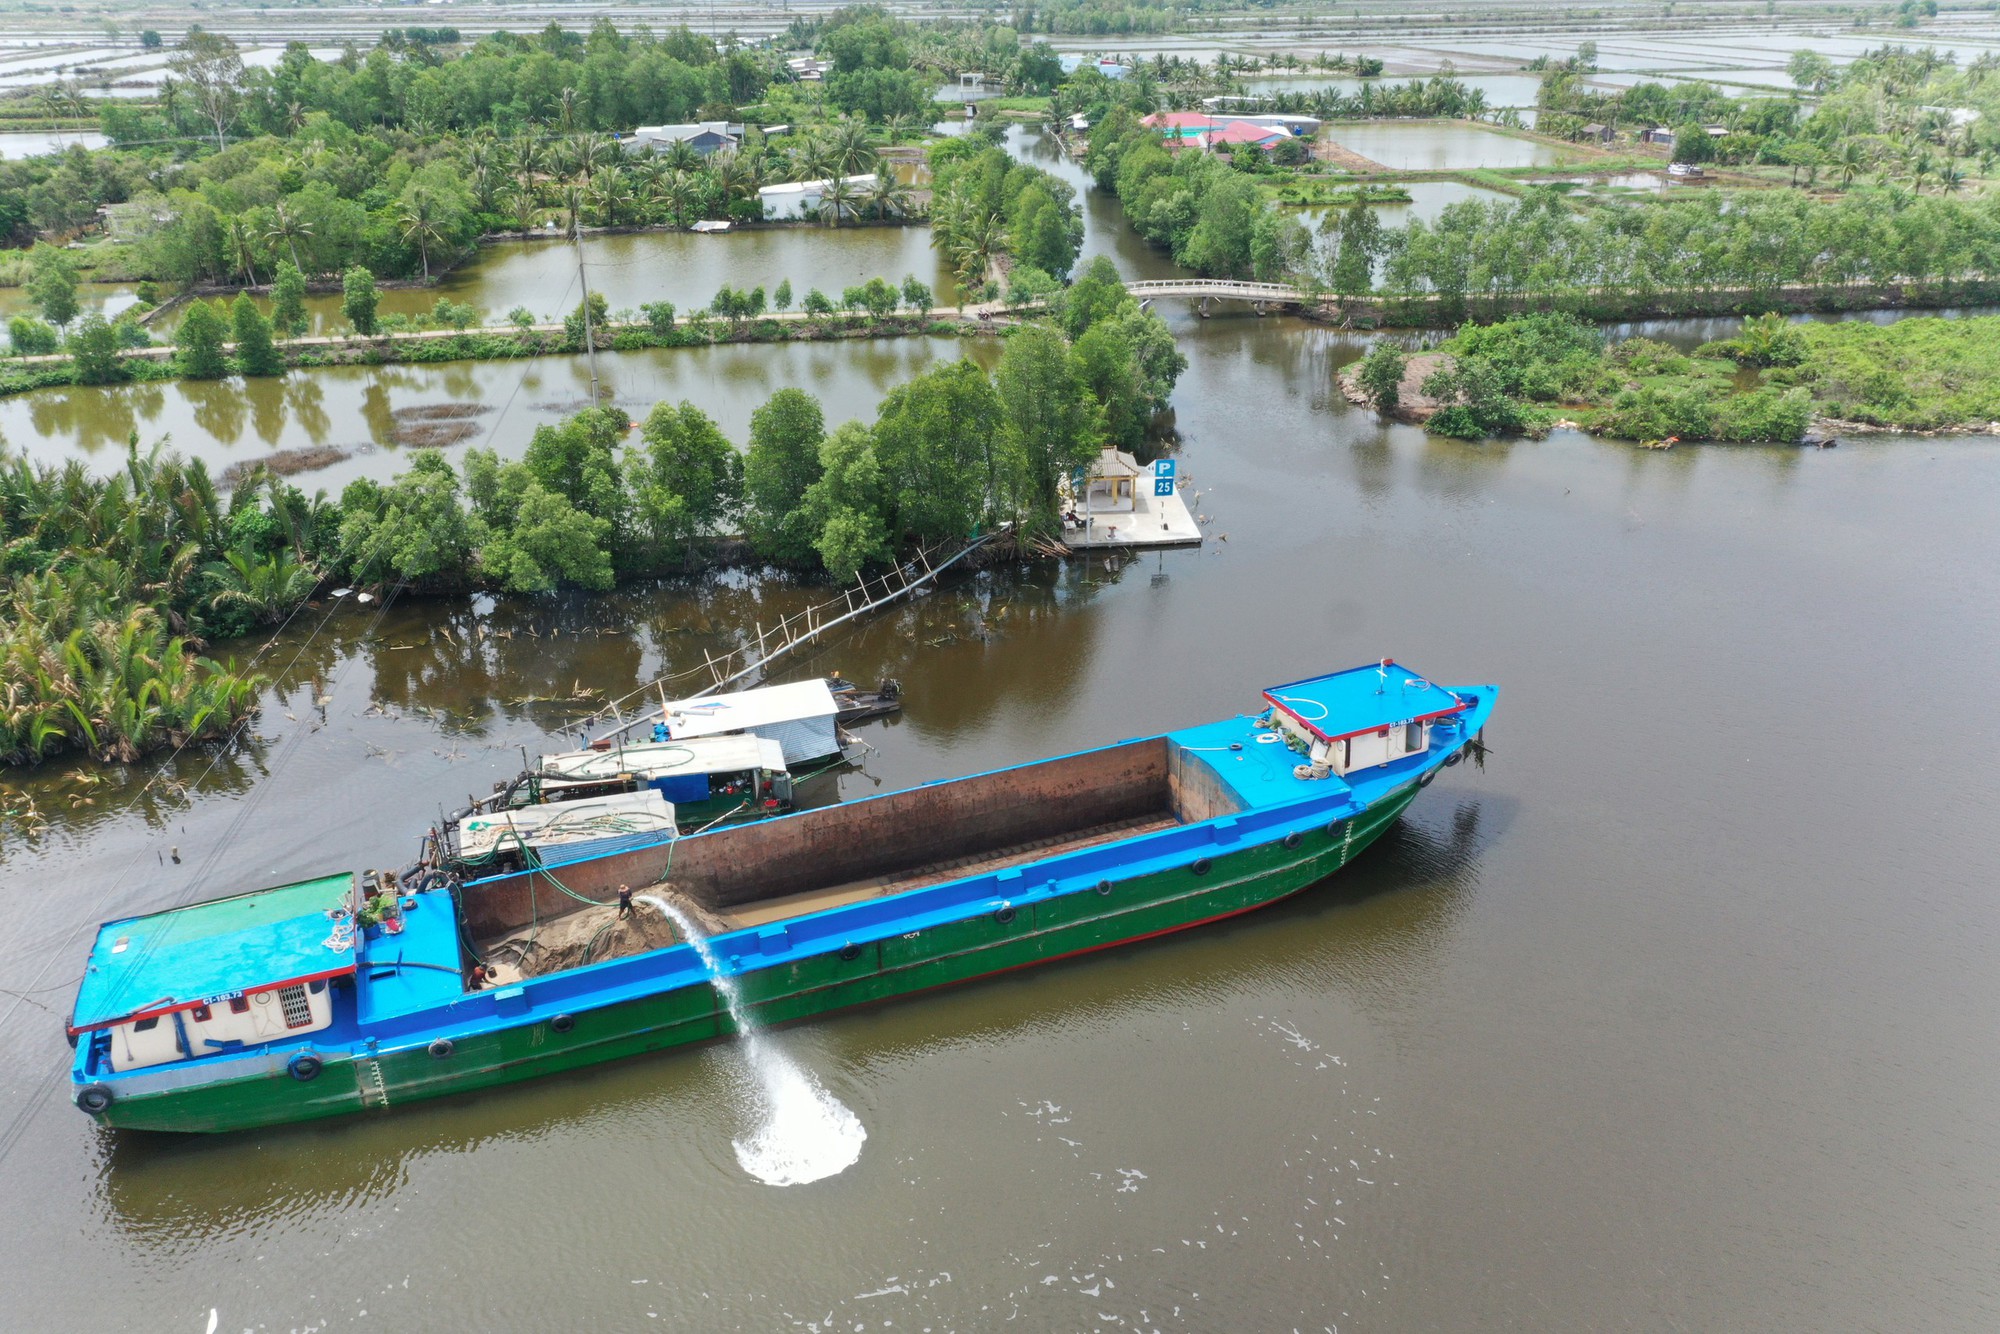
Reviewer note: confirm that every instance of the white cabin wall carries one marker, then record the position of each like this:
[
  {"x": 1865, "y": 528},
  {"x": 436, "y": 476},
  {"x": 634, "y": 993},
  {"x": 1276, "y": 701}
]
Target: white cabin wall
[
  {"x": 264, "y": 1021},
  {"x": 133, "y": 1048}
]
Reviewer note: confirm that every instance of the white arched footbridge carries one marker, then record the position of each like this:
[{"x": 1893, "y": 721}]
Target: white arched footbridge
[{"x": 1204, "y": 290}]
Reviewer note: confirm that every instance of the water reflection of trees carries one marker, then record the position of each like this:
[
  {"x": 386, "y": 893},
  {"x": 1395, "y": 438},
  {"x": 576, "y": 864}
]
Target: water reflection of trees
[
  {"x": 306, "y": 401},
  {"x": 218, "y": 408},
  {"x": 63, "y": 803},
  {"x": 95, "y": 417}
]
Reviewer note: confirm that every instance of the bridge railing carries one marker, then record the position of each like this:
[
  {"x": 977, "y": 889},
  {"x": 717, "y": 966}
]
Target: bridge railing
[{"x": 1215, "y": 287}]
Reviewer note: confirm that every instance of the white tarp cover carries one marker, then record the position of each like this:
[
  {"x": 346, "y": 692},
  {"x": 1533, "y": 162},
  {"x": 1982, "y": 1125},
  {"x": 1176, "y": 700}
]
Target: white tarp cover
[
  {"x": 657, "y": 759},
  {"x": 586, "y": 820},
  {"x": 799, "y": 717}
]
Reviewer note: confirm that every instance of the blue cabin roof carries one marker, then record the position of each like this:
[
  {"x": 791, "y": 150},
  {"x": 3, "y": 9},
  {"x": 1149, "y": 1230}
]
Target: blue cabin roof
[
  {"x": 206, "y": 952},
  {"x": 1362, "y": 699}
]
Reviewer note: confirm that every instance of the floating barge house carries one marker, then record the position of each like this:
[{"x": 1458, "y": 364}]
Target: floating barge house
[{"x": 275, "y": 1006}]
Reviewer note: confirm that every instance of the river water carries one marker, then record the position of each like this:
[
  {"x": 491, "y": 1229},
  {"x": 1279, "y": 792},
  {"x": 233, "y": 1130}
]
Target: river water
[{"x": 1674, "y": 1015}]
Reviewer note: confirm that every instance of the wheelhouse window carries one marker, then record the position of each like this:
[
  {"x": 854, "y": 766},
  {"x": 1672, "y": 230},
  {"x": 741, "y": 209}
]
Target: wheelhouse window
[
  {"x": 1413, "y": 737},
  {"x": 298, "y": 1011}
]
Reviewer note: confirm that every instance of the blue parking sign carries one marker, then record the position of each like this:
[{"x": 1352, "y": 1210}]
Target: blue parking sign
[{"x": 1163, "y": 486}]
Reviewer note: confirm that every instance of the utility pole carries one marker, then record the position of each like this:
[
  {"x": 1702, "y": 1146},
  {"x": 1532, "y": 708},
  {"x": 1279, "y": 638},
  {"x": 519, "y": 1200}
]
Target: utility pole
[{"x": 589, "y": 334}]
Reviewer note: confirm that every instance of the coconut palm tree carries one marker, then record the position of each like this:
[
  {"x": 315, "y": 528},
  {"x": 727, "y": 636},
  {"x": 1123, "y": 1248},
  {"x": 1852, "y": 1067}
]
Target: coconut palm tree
[
  {"x": 733, "y": 175},
  {"x": 288, "y": 227},
  {"x": 242, "y": 242},
  {"x": 813, "y": 158},
  {"x": 1851, "y": 158},
  {"x": 836, "y": 201},
  {"x": 590, "y": 153},
  {"x": 888, "y": 196},
  {"x": 646, "y": 177},
  {"x": 980, "y": 242},
  {"x": 419, "y": 223},
  {"x": 1922, "y": 167},
  {"x": 679, "y": 193},
  {"x": 611, "y": 195},
  {"x": 681, "y": 155},
  {"x": 852, "y": 153},
  {"x": 170, "y": 99},
  {"x": 524, "y": 202}
]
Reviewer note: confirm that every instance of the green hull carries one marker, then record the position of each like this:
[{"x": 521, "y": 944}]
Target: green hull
[{"x": 1134, "y": 909}]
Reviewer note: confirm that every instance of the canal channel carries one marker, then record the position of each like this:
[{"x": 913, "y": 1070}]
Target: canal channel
[{"x": 1671, "y": 1014}]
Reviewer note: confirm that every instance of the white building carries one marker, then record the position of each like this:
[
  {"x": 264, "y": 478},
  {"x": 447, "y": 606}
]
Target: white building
[{"x": 797, "y": 200}]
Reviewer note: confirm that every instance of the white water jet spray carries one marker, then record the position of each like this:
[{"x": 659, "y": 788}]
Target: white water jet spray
[{"x": 803, "y": 1133}]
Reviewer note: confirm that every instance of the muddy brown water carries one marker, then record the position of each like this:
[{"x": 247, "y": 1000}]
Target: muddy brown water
[{"x": 1677, "y": 1014}]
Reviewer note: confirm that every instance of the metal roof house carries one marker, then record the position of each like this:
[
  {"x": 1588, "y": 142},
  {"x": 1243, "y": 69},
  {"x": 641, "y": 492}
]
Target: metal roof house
[
  {"x": 796, "y": 200},
  {"x": 704, "y": 137}
]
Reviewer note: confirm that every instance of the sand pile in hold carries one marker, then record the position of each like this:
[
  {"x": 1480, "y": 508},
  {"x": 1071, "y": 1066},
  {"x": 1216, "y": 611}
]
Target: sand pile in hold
[{"x": 590, "y": 936}]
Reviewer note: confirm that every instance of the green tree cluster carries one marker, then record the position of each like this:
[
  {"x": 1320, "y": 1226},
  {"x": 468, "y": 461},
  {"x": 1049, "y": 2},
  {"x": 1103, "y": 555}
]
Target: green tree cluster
[{"x": 985, "y": 205}]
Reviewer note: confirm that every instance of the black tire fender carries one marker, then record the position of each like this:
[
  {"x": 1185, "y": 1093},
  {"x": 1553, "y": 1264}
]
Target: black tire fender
[
  {"x": 442, "y": 1047},
  {"x": 562, "y": 1023},
  {"x": 1293, "y": 839},
  {"x": 1004, "y": 915},
  {"x": 850, "y": 951},
  {"x": 1104, "y": 886},
  {"x": 1201, "y": 866},
  {"x": 93, "y": 1098},
  {"x": 1429, "y": 776},
  {"x": 304, "y": 1067}
]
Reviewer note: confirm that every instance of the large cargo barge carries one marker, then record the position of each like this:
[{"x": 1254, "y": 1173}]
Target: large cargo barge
[{"x": 310, "y": 1000}]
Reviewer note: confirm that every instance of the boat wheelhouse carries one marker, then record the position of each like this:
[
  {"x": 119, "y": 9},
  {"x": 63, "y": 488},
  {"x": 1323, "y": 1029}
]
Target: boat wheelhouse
[
  {"x": 524, "y": 973},
  {"x": 224, "y": 976}
]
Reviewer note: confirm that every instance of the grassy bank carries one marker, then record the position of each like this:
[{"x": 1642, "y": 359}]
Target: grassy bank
[
  {"x": 1767, "y": 384},
  {"x": 426, "y": 347}
]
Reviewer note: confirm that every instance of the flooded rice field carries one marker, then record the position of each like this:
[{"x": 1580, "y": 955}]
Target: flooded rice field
[{"x": 1443, "y": 145}]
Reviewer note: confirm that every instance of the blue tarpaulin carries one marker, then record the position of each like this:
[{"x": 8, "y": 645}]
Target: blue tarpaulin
[{"x": 679, "y": 788}]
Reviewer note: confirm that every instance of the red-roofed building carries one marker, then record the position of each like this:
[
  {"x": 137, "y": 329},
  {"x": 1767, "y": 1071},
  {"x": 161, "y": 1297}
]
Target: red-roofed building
[
  {"x": 1209, "y": 131},
  {"x": 1242, "y": 132}
]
